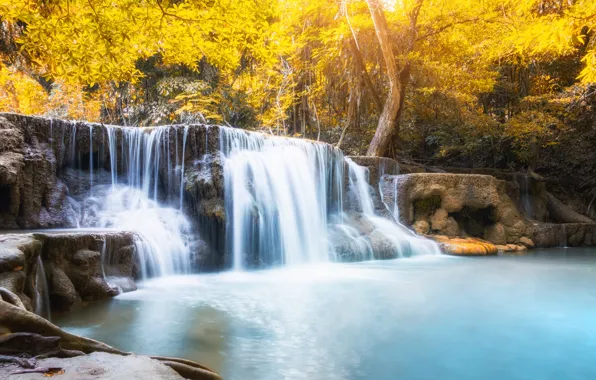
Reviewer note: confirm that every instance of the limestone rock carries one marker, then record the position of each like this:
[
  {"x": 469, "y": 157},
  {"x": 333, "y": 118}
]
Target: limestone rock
[
  {"x": 546, "y": 235},
  {"x": 496, "y": 234},
  {"x": 72, "y": 264},
  {"x": 526, "y": 242},
  {"x": 421, "y": 227},
  {"x": 99, "y": 365},
  {"x": 455, "y": 191},
  {"x": 438, "y": 220},
  {"x": 451, "y": 228}
]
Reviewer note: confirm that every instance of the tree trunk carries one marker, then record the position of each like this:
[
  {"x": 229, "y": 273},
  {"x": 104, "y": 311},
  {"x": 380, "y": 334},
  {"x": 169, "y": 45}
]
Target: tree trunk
[
  {"x": 361, "y": 66},
  {"x": 398, "y": 79}
]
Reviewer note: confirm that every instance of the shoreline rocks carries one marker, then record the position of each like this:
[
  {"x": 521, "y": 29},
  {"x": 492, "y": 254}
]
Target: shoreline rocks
[{"x": 75, "y": 265}]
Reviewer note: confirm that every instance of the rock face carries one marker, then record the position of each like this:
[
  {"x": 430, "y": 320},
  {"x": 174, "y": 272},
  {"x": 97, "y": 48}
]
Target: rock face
[
  {"x": 47, "y": 168},
  {"x": 32, "y": 196},
  {"x": 548, "y": 235},
  {"x": 75, "y": 265},
  {"x": 457, "y": 205},
  {"x": 376, "y": 168}
]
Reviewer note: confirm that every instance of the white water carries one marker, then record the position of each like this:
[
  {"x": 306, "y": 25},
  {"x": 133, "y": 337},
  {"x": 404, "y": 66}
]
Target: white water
[
  {"x": 282, "y": 194},
  {"x": 278, "y": 195},
  {"x": 132, "y": 202},
  {"x": 282, "y": 199},
  {"x": 404, "y": 241},
  {"x": 42, "y": 304}
]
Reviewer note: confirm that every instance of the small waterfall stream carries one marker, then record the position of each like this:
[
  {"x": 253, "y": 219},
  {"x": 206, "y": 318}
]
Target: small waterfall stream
[
  {"x": 42, "y": 302},
  {"x": 404, "y": 242}
]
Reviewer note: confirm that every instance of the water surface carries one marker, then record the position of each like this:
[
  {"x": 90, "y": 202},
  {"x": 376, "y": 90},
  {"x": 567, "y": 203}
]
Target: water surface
[{"x": 525, "y": 317}]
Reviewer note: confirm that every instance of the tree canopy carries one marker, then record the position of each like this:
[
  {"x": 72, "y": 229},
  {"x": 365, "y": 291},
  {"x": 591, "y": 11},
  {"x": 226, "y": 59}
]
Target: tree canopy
[{"x": 431, "y": 78}]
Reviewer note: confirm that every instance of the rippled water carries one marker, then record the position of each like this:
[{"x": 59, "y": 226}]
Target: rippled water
[{"x": 528, "y": 317}]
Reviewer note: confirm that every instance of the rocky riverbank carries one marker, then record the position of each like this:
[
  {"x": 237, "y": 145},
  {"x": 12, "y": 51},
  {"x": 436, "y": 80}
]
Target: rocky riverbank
[{"x": 60, "y": 270}]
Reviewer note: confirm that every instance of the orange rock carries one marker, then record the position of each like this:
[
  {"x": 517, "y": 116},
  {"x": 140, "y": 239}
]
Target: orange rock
[{"x": 465, "y": 246}]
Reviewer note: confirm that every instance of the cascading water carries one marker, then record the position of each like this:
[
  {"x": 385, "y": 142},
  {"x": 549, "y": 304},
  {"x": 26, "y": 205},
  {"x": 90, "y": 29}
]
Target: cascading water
[
  {"x": 279, "y": 193},
  {"x": 42, "y": 304},
  {"x": 284, "y": 198},
  {"x": 404, "y": 241},
  {"x": 525, "y": 197},
  {"x": 284, "y": 203},
  {"x": 134, "y": 200}
]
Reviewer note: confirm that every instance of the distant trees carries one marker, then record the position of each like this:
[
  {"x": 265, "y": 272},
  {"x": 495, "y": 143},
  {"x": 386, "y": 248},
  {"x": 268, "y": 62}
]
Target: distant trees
[{"x": 417, "y": 77}]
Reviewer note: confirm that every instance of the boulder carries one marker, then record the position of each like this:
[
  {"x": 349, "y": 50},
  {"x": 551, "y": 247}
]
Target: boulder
[
  {"x": 458, "y": 205},
  {"x": 97, "y": 365}
]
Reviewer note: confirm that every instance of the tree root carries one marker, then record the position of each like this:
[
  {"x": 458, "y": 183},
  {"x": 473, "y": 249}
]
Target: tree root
[
  {"x": 21, "y": 320},
  {"x": 185, "y": 365},
  {"x": 189, "y": 372},
  {"x": 563, "y": 213},
  {"x": 47, "y": 340},
  {"x": 8, "y": 296}
]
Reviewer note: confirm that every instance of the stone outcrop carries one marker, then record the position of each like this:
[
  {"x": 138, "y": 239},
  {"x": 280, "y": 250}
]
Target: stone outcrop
[
  {"x": 76, "y": 266},
  {"x": 546, "y": 235},
  {"x": 31, "y": 194},
  {"x": 457, "y": 205}
]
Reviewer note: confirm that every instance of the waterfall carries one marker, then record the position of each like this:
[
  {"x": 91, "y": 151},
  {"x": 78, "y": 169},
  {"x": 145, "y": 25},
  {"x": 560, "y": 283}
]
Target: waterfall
[
  {"x": 136, "y": 202},
  {"x": 284, "y": 198},
  {"x": 403, "y": 241},
  {"x": 562, "y": 238},
  {"x": 91, "y": 154},
  {"x": 279, "y": 193},
  {"x": 284, "y": 203},
  {"x": 525, "y": 198},
  {"x": 42, "y": 302}
]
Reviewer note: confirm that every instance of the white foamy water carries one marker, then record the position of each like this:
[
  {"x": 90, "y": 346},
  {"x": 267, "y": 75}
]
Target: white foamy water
[
  {"x": 140, "y": 159},
  {"x": 279, "y": 193},
  {"x": 404, "y": 241}
]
